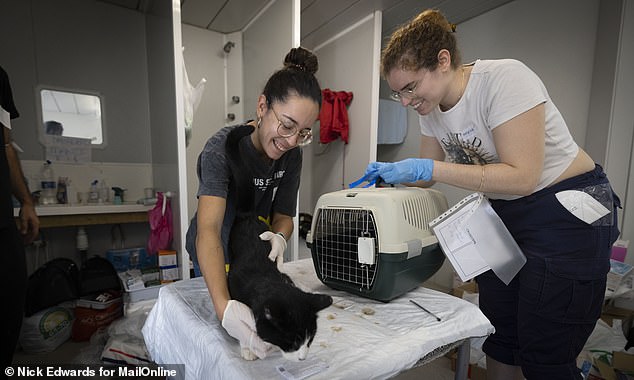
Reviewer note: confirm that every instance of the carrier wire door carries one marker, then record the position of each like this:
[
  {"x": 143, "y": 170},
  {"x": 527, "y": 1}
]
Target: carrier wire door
[{"x": 337, "y": 248}]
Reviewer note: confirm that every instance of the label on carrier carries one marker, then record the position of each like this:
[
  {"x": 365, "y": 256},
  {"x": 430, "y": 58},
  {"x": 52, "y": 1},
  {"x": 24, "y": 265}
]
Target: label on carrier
[{"x": 365, "y": 250}]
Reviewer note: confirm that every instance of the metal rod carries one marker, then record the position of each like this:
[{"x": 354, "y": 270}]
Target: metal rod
[{"x": 427, "y": 311}]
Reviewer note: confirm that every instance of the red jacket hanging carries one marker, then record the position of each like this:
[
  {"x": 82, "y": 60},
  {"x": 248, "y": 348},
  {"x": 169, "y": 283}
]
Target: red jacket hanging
[{"x": 333, "y": 117}]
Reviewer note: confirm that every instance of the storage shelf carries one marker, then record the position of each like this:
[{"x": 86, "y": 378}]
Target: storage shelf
[{"x": 81, "y": 215}]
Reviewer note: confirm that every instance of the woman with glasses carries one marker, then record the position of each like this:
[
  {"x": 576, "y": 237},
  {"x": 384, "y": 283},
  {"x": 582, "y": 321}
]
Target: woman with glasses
[
  {"x": 286, "y": 111},
  {"x": 490, "y": 126}
]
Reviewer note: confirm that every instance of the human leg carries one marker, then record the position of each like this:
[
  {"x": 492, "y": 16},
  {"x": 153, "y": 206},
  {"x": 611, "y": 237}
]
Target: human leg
[
  {"x": 14, "y": 282},
  {"x": 558, "y": 309},
  {"x": 501, "y": 371},
  {"x": 562, "y": 284},
  {"x": 498, "y": 302}
]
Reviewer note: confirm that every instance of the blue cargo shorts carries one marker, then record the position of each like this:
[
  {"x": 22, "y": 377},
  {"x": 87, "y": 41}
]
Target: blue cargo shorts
[{"x": 545, "y": 315}]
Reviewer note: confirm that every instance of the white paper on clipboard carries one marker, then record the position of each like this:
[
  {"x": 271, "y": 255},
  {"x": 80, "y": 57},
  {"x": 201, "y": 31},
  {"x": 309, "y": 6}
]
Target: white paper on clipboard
[{"x": 474, "y": 239}]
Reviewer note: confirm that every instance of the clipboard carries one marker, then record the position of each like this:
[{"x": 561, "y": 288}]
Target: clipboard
[{"x": 475, "y": 240}]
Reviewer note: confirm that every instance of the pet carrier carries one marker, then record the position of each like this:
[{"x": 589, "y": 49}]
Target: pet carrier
[{"x": 376, "y": 242}]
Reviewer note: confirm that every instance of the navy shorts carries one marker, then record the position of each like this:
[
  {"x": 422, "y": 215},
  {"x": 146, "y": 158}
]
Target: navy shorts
[{"x": 544, "y": 316}]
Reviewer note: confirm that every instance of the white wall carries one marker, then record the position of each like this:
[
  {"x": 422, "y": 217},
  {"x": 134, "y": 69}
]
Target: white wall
[
  {"x": 164, "y": 44},
  {"x": 266, "y": 40},
  {"x": 347, "y": 62},
  {"x": 564, "y": 62},
  {"x": 72, "y": 44},
  {"x": 562, "y": 54},
  {"x": 619, "y": 157},
  {"x": 75, "y": 44},
  {"x": 204, "y": 58}
]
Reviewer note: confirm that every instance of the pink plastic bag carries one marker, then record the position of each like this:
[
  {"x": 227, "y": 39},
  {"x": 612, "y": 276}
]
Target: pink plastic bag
[{"x": 160, "y": 217}]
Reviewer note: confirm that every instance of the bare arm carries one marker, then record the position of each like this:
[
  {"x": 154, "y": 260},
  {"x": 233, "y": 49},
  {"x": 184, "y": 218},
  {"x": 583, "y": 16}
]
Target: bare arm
[
  {"x": 520, "y": 146},
  {"x": 210, "y": 252},
  {"x": 282, "y": 223},
  {"x": 29, "y": 222}
]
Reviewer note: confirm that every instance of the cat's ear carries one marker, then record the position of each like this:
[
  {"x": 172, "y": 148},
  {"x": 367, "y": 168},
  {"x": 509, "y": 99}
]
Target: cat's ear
[
  {"x": 267, "y": 313},
  {"x": 273, "y": 313},
  {"x": 320, "y": 301}
]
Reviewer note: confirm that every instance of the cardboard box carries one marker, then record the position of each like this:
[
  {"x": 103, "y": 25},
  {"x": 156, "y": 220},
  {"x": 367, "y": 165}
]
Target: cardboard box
[
  {"x": 469, "y": 287},
  {"x": 169, "y": 274},
  {"x": 610, "y": 313},
  {"x": 618, "y": 271},
  {"x": 474, "y": 372},
  {"x": 148, "y": 293},
  {"x": 619, "y": 250},
  {"x": 130, "y": 258},
  {"x": 621, "y": 363},
  {"x": 167, "y": 258}
]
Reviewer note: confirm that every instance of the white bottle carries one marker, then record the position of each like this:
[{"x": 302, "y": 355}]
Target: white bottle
[
  {"x": 93, "y": 195},
  {"x": 82, "y": 244},
  {"x": 48, "y": 194},
  {"x": 104, "y": 192}
]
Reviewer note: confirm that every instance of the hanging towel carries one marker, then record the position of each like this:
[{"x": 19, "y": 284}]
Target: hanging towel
[
  {"x": 333, "y": 117},
  {"x": 392, "y": 122}
]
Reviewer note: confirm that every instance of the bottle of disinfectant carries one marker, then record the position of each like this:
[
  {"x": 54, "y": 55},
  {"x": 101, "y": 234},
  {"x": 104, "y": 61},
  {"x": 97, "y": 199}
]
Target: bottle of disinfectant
[
  {"x": 93, "y": 195},
  {"x": 48, "y": 195}
]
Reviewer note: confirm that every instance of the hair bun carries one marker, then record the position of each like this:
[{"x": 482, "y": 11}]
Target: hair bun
[{"x": 301, "y": 59}]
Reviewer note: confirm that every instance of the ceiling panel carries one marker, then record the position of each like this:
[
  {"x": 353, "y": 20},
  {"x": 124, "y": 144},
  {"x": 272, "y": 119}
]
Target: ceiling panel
[
  {"x": 321, "y": 19},
  {"x": 200, "y": 13},
  {"x": 236, "y": 14},
  {"x": 318, "y": 13},
  {"x": 456, "y": 11}
]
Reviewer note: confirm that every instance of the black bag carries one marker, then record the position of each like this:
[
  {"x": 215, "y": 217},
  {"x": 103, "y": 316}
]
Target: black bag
[
  {"x": 305, "y": 222},
  {"x": 97, "y": 275},
  {"x": 54, "y": 282}
]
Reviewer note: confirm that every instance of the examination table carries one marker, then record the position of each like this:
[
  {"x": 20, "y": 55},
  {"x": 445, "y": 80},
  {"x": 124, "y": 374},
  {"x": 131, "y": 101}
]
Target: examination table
[{"x": 357, "y": 338}]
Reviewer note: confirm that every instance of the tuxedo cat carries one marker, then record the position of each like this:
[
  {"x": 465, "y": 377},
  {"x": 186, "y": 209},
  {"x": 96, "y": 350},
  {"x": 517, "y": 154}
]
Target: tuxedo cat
[{"x": 285, "y": 316}]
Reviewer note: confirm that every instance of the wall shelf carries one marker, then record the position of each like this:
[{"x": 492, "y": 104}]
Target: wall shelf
[{"x": 82, "y": 215}]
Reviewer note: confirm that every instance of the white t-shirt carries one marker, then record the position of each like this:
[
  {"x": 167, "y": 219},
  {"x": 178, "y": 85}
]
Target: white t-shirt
[{"x": 497, "y": 91}]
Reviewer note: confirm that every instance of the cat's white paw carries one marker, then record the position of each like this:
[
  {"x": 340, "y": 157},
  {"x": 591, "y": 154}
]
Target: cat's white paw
[{"x": 247, "y": 354}]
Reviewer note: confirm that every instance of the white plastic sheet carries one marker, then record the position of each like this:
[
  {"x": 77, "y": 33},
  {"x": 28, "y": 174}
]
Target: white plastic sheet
[
  {"x": 358, "y": 338},
  {"x": 191, "y": 97}
]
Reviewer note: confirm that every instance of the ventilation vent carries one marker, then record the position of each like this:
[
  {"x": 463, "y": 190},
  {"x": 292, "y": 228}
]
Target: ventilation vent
[{"x": 419, "y": 210}]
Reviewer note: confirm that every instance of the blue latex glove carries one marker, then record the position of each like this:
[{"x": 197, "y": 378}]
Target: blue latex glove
[{"x": 408, "y": 170}]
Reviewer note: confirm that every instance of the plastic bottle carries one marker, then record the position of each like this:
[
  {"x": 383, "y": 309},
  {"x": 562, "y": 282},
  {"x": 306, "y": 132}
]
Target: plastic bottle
[
  {"x": 48, "y": 195},
  {"x": 62, "y": 194},
  {"x": 71, "y": 194},
  {"x": 82, "y": 244},
  {"x": 93, "y": 195},
  {"x": 104, "y": 192}
]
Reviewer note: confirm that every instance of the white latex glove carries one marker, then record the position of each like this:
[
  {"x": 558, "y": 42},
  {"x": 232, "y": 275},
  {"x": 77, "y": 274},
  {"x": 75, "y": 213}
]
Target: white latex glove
[
  {"x": 239, "y": 322},
  {"x": 278, "y": 246}
]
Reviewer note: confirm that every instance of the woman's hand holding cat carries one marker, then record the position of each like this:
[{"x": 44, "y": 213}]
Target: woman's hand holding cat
[
  {"x": 239, "y": 322},
  {"x": 278, "y": 246}
]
